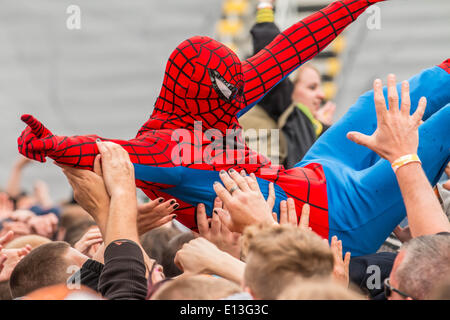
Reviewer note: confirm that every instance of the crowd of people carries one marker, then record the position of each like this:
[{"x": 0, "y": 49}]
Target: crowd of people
[{"x": 106, "y": 244}]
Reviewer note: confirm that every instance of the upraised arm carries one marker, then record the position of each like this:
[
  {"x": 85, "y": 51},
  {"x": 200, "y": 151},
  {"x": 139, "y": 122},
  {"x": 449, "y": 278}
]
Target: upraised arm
[
  {"x": 295, "y": 46},
  {"x": 396, "y": 139}
]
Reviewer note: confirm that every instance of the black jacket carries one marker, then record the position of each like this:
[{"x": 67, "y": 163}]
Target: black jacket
[{"x": 296, "y": 128}]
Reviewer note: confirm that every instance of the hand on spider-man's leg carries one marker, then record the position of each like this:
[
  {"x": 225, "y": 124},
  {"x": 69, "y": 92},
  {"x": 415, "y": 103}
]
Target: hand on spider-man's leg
[{"x": 36, "y": 141}]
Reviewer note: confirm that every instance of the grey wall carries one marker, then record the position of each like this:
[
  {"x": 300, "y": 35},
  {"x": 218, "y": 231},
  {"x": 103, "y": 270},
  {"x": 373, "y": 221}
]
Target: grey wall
[
  {"x": 414, "y": 34},
  {"x": 103, "y": 78}
]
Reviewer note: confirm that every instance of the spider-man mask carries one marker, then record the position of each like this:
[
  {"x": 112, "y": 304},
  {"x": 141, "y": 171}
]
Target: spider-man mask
[{"x": 203, "y": 82}]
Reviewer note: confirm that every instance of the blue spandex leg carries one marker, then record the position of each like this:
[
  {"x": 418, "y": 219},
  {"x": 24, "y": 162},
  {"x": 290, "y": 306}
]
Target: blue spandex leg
[
  {"x": 364, "y": 200},
  {"x": 365, "y": 215},
  {"x": 433, "y": 83}
]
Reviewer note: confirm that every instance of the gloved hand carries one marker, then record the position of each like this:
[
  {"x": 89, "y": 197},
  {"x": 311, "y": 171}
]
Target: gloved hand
[{"x": 36, "y": 141}]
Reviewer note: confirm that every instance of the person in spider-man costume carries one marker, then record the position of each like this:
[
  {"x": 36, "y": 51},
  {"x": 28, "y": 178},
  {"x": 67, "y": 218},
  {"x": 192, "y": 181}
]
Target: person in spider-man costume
[{"x": 180, "y": 150}]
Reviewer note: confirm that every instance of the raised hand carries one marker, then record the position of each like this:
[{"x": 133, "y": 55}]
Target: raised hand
[
  {"x": 200, "y": 256},
  {"x": 89, "y": 242},
  {"x": 45, "y": 225},
  {"x": 18, "y": 227},
  {"x": 155, "y": 213},
  {"x": 36, "y": 141},
  {"x": 216, "y": 232},
  {"x": 89, "y": 191},
  {"x": 117, "y": 169},
  {"x": 288, "y": 214},
  {"x": 9, "y": 258},
  {"x": 397, "y": 131},
  {"x": 341, "y": 268},
  {"x": 243, "y": 199},
  {"x": 7, "y": 237},
  {"x": 403, "y": 234},
  {"x": 326, "y": 113}
]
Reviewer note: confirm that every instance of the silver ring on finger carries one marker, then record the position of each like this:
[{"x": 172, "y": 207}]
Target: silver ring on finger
[{"x": 233, "y": 189}]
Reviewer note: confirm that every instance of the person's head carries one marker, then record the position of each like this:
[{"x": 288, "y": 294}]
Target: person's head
[
  {"x": 33, "y": 240},
  {"x": 155, "y": 241},
  {"x": 48, "y": 264},
  {"x": 308, "y": 88},
  {"x": 196, "y": 287},
  {"x": 441, "y": 291},
  {"x": 422, "y": 264},
  {"x": 71, "y": 215},
  {"x": 24, "y": 201},
  {"x": 5, "y": 293},
  {"x": 301, "y": 289},
  {"x": 175, "y": 244},
  {"x": 75, "y": 232},
  {"x": 277, "y": 254},
  {"x": 62, "y": 292}
]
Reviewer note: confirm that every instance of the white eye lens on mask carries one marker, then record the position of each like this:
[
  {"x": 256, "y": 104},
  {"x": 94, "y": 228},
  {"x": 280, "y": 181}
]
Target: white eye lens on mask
[{"x": 223, "y": 88}]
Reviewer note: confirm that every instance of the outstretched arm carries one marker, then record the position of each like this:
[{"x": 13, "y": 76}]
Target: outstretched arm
[
  {"x": 396, "y": 139},
  {"x": 37, "y": 142},
  {"x": 295, "y": 46}
]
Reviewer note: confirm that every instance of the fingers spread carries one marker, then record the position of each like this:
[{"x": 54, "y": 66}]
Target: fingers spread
[
  {"x": 271, "y": 197},
  {"x": 360, "y": 138},
  {"x": 36, "y": 126},
  {"x": 253, "y": 182},
  {"x": 417, "y": 116},
  {"x": 202, "y": 220},
  {"x": 215, "y": 223},
  {"x": 304, "y": 218},
  {"x": 218, "y": 203},
  {"x": 406, "y": 101},
  {"x": 283, "y": 212},
  {"x": 144, "y": 208},
  {"x": 347, "y": 259},
  {"x": 225, "y": 218},
  {"x": 380, "y": 103},
  {"x": 239, "y": 180},
  {"x": 392, "y": 94},
  {"x": 7, "y": 237},
  {"x": 222, "y": 193},
  {"x": 292, "y": 214}
]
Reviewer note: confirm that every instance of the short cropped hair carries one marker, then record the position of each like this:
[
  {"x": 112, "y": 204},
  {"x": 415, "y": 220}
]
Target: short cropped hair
[
  {"x": 44, "y": 266},
  {"x": 301, "y": 289},
  {"x": 33, "y": 240},
  {"x": 196, "y": 287},
  {"x": 155, "y": 242},
  {"x": 277, "y": 254},
  {"x": 175, "y": 244},
  {"x": 425, "y": 265}
]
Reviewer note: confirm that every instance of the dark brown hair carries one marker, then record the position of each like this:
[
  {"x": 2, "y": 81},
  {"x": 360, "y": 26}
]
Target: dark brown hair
[{"x": 44, "y": 266}]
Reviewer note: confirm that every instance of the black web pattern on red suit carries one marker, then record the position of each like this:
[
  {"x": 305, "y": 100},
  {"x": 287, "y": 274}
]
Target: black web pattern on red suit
[{"x": 187, "y": 95}]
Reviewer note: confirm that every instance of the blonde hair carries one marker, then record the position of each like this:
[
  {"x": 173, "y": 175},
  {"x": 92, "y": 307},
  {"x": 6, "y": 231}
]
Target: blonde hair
[
  {"x": 301, "y": 289},
  {"x": 33, "y": 240},
  {"x": 300, "y": 70},
  {"x": 196, "y": 287},
  {"x": 277, "y": 254}
]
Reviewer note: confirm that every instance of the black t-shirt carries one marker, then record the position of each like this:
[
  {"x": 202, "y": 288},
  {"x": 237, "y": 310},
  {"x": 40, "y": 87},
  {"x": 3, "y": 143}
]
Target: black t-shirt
[{"x": 123, "y": 276}]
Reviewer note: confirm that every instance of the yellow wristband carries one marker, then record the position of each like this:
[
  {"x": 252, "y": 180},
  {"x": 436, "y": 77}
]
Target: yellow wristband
[{"x": 400, "y": 162}]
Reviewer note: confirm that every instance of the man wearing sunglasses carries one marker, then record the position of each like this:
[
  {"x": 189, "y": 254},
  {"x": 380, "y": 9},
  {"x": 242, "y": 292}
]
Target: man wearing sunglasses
[{"x": 421, "y": 265}]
